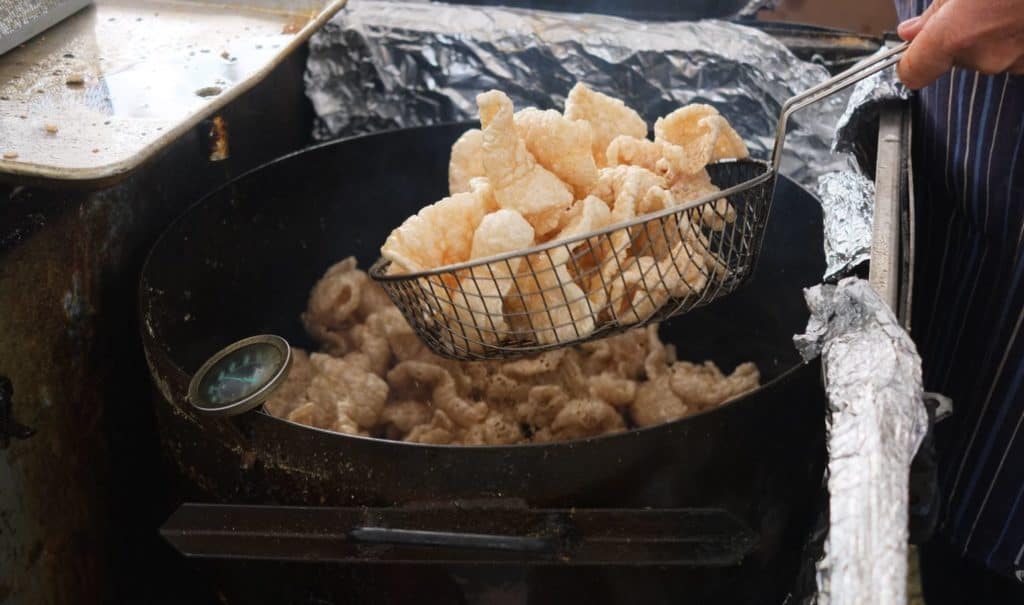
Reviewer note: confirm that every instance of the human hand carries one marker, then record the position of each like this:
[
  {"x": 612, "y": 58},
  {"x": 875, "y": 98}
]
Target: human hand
[{"x": 983, "y": 35}]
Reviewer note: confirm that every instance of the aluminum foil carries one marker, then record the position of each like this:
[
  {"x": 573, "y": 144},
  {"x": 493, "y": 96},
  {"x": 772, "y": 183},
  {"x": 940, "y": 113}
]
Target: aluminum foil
[
  {"x": 847, "y": 201},
  {"x": 862, "y": 107},
  {"x": 755, "y": 6},
  {"x": 384, "y": 65},
  {"x": 877, "y": 420},
  {"x": 847, "y": 196}
]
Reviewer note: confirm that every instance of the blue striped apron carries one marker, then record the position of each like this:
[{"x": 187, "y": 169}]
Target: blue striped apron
[{"x": 968, "y": 152}]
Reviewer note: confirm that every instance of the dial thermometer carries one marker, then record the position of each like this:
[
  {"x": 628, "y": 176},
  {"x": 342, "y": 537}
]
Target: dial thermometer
[{"x": 241, "y": 376}]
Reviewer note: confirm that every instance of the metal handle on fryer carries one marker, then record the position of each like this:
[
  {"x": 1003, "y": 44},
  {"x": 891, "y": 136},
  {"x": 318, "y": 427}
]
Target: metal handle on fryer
[
  {"x": 843, "y": 79},
  {"x": 493, "y": 542},
  {"x": 673, "y": 537}
]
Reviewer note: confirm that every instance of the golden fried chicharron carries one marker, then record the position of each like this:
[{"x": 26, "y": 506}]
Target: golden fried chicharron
[
  {"x": 537, "y": 177},
  {"x": 373, "y": 377}
]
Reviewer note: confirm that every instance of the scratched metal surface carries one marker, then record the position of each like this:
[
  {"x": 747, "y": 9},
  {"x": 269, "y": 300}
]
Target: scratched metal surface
[
  {"x": 81, "y": 499},
  {"x": 150, "y": 70},
  {"x": 22, "y": 19}
]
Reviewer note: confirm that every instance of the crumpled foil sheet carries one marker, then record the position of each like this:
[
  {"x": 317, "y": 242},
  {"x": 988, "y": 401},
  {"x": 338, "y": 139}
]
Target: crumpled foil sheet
[
  {"x": 385, "y": 65},
  {"x": 864, "y": 102},
  {"x": 754, "y": 6},
  {"x": 877, "y": 420},
  {"x": 848, "y": 202},
  {"x": 847, "y": 196}
]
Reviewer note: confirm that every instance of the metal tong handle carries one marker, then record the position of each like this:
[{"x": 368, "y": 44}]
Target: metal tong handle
[{"x": 867, "y": 67}]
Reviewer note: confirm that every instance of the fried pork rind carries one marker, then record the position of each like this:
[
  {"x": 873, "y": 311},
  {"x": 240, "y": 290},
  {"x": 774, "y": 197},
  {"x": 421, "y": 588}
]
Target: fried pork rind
[
  {"x": 572, "y": 393},
  {"x": 404, "y": 416},
  {"x": 582, "y": 258},
  {"x": 658, "y": 356},
  {"x": 714, "y": 215},
  {"x": 660, "y": 157},
  {"x": 519, "y": 182},
  {"x": 546, "y": 304},
  {"x": 559, "y": 144},
  {"x": 513, "y": 185},
  {"x": 632, "y": 191},
  {"x": 649, "y": 284},
  {"x": 402, "y": 340},
  {"x": 291, "y": 393},
  {"x": 613, "y": 389},
  {"x": 608, "y": 118},
  {"x": 704, "y": 134},
  {"x": 542, "y": 363},
  {"x": 499, "y": 428},
  {"x": 466, "y": 161},
  {"x": 341, "y": 395},
  {"x": 439, "y": 431},
  {"x": 374, "y": 348},
  {"x": 656, "y": 403},
  {"x": 480, "y": 301},
  {"x": 440, "y": 234},
  {"x": 706, "y": 137},
  {"x": 582, "y": 418},
  {"x": 630, "y": 151},
  {"x": 622, "y": 355},
  {"x": 690, "y": 388},
  {"x": 341, "y": 298},
  {"x": 704, "y": 386},
  {"x": 358, "y": 396},
  {"x": 542, "y": 405},
  {"x": 412, "y": 377}
]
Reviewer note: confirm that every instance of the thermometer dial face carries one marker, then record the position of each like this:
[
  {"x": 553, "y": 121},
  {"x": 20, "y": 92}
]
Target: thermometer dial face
[{"x": 241, "y": 376}]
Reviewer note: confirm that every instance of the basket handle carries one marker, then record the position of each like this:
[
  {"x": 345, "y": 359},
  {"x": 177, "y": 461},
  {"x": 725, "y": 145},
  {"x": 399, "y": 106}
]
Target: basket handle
[{"x": 856, "y": 73}]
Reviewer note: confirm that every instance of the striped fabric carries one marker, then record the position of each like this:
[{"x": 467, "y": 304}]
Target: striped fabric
[{"x": 969, "y": 301}]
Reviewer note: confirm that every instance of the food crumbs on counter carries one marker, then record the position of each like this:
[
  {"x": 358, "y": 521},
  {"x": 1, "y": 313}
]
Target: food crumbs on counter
[
  {"x": 208, "y": 91},
  {"x": 10, "y": 155},
  {"x": 50, "y": 128},
  {"x": 96, "y": 150},
  {"x": 75, "y": 79},
  {"x": 225, "y": 54}
]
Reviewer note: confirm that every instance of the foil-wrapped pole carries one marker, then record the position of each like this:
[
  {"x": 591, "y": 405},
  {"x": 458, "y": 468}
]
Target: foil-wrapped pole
[
  {"x": 862, "y": 108},
  {"x": 847, "y": 201},
  {"x": 877, "y": 420},
  {"x": 385, "y": 65},
  {"x": 847, "y": 196}
]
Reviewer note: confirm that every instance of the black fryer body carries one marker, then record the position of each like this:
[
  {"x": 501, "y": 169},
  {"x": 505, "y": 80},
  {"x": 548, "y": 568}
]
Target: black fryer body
[{"x": 243, "y": 260}]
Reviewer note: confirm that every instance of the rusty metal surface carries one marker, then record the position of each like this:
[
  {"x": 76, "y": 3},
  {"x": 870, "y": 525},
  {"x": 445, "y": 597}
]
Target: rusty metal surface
[
  {"x": 80, "y": 500},
  {"x": 98, "y": 94}
]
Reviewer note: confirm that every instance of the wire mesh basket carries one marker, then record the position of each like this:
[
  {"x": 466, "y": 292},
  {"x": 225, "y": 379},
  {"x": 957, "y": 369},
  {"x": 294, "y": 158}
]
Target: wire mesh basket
[
  {"x": 594, "y": 285},
  {"x": 600, "y": 283}
]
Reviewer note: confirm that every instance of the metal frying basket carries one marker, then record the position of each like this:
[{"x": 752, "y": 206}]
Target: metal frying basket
[{"x": 603, "y": 282}]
